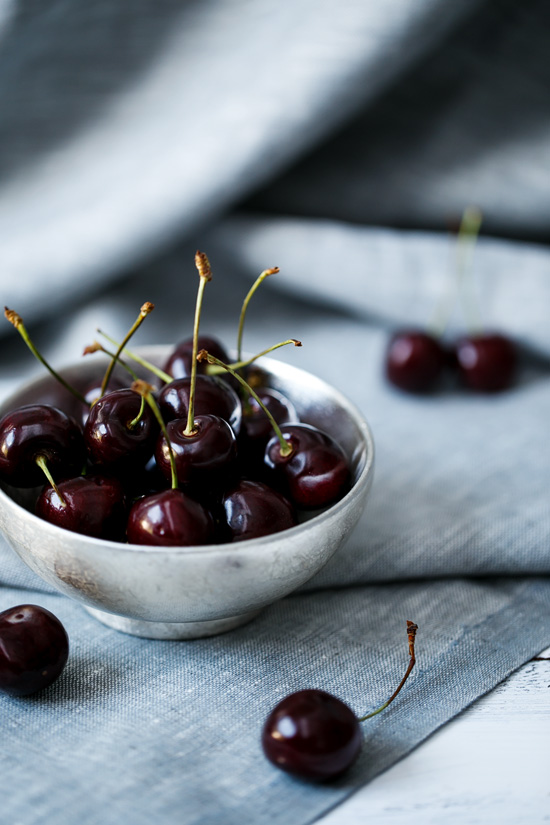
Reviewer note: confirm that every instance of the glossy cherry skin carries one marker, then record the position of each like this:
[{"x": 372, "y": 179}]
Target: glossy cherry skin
[
  {"x": 207, "y": 457},
  {"x": 212, "y": 396},
  {"x": 38, "y": 430},
  {"x": 92, "y": 392},
  {"x": 92, "y": 505},
  {"x": 111, "y": 441},
  {"x": 312, "y": 734},
  {"x": 170, "y": 519},
  {"x": 253, "y": 509},
  {"x": 415, "y": 361},
  {"x": 256, "y": 429},
  {"x": 33, "y": 649},
  {"x": 316, "y": 473},
  {"x": 486, "y": 363},
  {"x": 179, "y": 362}
]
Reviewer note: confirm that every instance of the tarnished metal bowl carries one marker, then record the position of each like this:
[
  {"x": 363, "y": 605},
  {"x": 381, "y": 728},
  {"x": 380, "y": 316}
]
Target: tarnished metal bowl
[{"x": 190, "y": 592}]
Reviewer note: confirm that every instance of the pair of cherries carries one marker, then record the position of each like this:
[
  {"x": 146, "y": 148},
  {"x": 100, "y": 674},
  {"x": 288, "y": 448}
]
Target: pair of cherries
[
  {"x": 416, "y": 361},
  {"x": 484, "y": 362},
  {"x": 310, "y": 734}
]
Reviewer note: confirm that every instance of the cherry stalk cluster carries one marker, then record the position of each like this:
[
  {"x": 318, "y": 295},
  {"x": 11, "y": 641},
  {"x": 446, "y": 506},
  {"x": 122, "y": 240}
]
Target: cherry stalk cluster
[{"x": 203, "y": 458}]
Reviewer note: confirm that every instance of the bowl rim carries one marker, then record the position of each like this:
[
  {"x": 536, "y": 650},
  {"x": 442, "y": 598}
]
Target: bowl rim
[{"x": 246, "y": 545}]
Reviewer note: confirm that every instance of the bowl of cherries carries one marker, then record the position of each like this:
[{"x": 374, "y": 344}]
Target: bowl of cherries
[{"x": 175, "y": 492}]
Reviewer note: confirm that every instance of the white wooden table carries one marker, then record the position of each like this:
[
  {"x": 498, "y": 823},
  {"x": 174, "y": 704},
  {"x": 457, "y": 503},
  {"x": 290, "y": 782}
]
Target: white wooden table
[{"x": 489, "y": 765}]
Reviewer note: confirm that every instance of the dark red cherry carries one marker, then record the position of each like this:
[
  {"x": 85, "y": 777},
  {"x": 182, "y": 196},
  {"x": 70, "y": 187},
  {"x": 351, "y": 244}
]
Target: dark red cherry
[
  {"x": 169, "y": 519},
  {"x": 179, "y": 362},
  {"x": 212, "y": 396},
  {"x": 92, "y": 392},
  {"x": 253, "y": 509},
  {"x": 312, "y": 734},
  {"x": 205, "y": 457},
  {"x": 414, "y": 361},
  {"x": 33, "y": 649},
  {"x": 316, "y": 473},
  {"x": 486, "y": 363},
  {"x": 92, "y": 505},
  {"x": 113, "y": 437},
  {"x": 256, "y": 429},
  {"x": 28, "y": 433}
]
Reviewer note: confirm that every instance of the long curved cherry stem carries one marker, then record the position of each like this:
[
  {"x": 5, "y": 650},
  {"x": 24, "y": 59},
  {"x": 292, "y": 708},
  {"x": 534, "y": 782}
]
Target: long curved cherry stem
[
  {"x": 205, "y": 275},
  {"x": 146, "y": 391},
  {"x": 17, "y": 322},
  {"x": 261, "y": 277},
  {"x": 237, "y": 365},
  {"x": 411, "y": 632},
  {"x": 41, "y": 461},
  {"x": 286, "y": 448},
  {"x": 139, "y": 360},
  {"x": 143, "y": 313},
  {"x": 464, "y": 247}
]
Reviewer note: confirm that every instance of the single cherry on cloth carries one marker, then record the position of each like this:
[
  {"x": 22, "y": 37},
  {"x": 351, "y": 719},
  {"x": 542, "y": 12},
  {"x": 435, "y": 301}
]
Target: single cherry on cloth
[
  {"x": 120, "y": 432},
  {"x": 170, "y": 518},
  {"x": 486, "y": 363},
  {"x": 92, "y": 505},
  {"x": 253, "y": 509},
  {"x": 37, "y": 439},
  {"x": 315, "y": 471},
  {"x": 314, "y": 735},
  {"x": 179, "y": 364},
  {"x": 34, "y": 648},
  {"x": 415, "y": 361}
]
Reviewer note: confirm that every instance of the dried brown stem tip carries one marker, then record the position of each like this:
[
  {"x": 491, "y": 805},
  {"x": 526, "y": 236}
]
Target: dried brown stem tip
[
  {"x": 295, "y": 342},
  {"x": 203, "y": 265},
  {"x": 142, "y": 388},
  {"x": 203, "y": 356},
  {"x": 146, "y": 308},
  {"x": 411, "y": 630},
  {"x": 13, "y": 317},
  {"x": 91, "y": 348},
  {"x": 272, "y": 271}
]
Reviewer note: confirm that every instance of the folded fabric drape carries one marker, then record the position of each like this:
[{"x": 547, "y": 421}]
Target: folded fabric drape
[{"x": 337, "y": 141}]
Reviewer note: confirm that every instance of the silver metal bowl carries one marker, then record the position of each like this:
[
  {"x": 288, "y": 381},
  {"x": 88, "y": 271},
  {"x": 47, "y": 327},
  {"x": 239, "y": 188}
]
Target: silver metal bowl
[{"x": 191, "y": 592}]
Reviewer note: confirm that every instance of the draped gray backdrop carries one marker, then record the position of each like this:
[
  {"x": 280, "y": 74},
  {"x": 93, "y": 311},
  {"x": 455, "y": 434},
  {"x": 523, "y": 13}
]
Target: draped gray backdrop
[{"x": 339, "y": 141}]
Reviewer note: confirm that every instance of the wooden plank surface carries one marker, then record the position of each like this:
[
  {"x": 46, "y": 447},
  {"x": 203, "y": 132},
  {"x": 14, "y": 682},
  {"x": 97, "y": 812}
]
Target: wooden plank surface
[{"x": 489, "y": 765}]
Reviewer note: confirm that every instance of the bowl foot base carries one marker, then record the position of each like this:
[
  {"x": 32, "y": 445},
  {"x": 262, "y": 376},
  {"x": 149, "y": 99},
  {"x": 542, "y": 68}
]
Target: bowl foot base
[{"x": 171, "y": 630}]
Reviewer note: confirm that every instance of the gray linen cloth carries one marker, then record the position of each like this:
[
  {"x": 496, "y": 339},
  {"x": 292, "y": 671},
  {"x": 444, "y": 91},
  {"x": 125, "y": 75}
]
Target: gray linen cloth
[{"x": 354, "y": 131}]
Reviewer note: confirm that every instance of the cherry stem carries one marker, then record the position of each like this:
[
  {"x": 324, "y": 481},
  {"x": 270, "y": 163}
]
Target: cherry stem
[
  {"x": 146, "y": 391},
  {"x": 139, "y": 360},
  {"x": 143, "y": 313},
  {"x": 17, "y": 322},
  {"x": 466, "y": 239},
  {"x": 286, "y": 448},
  {"x": 97, "y": 347},
  {"x": 205, "y": 274},
  {"x": 466, "y": 242},
  {"x": 41, "y": 461},
  {"x": 411, "y": 632},
  {"x": 237, "y": 365},
  {"x": 263, "y": 275}
]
